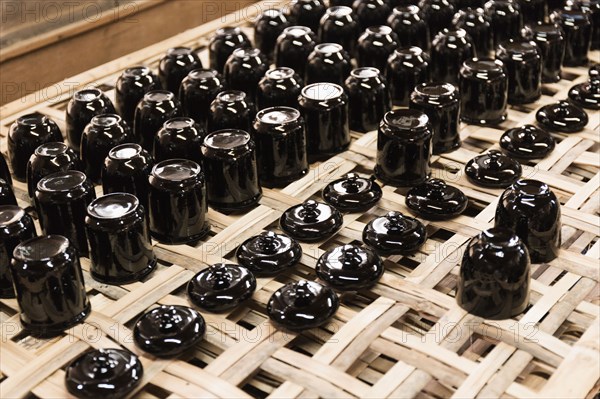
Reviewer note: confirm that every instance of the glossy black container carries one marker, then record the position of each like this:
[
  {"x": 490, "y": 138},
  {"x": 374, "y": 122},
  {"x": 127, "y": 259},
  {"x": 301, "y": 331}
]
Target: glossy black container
[
  {"x": 587, "y": 94},
  {"x": 311, "y": 221},
  {"x": 494, "y": 276},
  {"x": 49, "y": 285},
  {"x": 436, "y": 200},
  {"x": 16, "y": 226},
  {"x": 438, "y": 14},
  {"x": 533, "y": 11},
  {"x": 50, "y": 158},
  {"x": 306, "y": 13},
  {"x": 350, "y": 267},
  {"x": 369, "y": 98},
  {"x": 328, "y": 62},
  {"x": 527, "y": 142},
  {"x": 339, "y": 25},
  {"x": 281, "y": 146},
  {"x": 119, "y": 237},
  {"x": 523, "y": 63},
  {"x": 231, "y": 170},
  {"x": 406, "y": 68},
  {"x": 61, "y": 200},
  {"x": 506, "y": 18},
  {"x": 198, "y": 90},
  {"x": 440, "y": 102},
  {"x": 244, "y": 69},
  {"x": 179, "y": 137},
  {"x": 493, "y": 169},
  {"x": 279, "y": 87},
  {"x": 593, "y": 8},
  {"x": 483, "y": 91},
  {"x": 4, "y": 171},
  {"x": 267, "y": 27},
  {"x": 269, "y": 254},
  {"x": 175, "y": 65},
  {"x": 371, "y": 12},
  {"x": 231, "y": 109},
  {"x": 550, "y": 39},
  {"x": 577, "y": 26},
  {"x": 157, "y": 107},
  {"x": 404, "y": 148},
  {"x": 562, "y": 116},
  {"x": 177, "y": 202},
  {"x": 130, "y": 89},
  {"x": 531, "y": 210},
  {"x": 7, "y": 196},
  {"x": 25, "y": 135},
  {"x": 293, "y": 48},
  {"x": 394, "y": 234},
  {"x": 449, "y": 49},
  {"x": 410, "y": 27},
  {"x": 223, "y": 43},
  {"x": 84, "y": 105},
  {"x": 99, "y": 137},
  {"x": 375, "y": 46},
  {"x": 324, "y": 107},
  {"x": 478, "y": 26}
]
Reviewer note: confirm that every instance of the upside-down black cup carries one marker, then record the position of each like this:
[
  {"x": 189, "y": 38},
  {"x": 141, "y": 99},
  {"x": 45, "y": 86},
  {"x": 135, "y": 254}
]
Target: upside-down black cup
[
  {"x": 281, "y": 146},
  {"x": 175, "y": 65},
  {"x": 324, "y": 107},
  {"x": 369, "y": 98},
  {"x": 506, "y": 20},
  {"x": 61, "y": 200},
  {"x": 24, "y": 136},
  {"x": 375, "y": 46},
  {"x": 404, "y": 148},
  {"x": 449, "y": 50},
  {"x": 267, "y": 27},
  {"x": 328, "y": 62},
  {"x": 157, "y": 107},
  {"x": 410, "y": 27},
  {"x": 550, "y": 38},
  {"x": 84, "y": 105},
  {"x": 50, "y": 158},
  {"x": 533, "y": 11},
  {"x": 478, "y": 26},
  {"x": 223, "y": 43},
  {"x": 293, "y": 47},
  {"x": 523, "y": 62},
  {"x": 4, "y": 171},
  {"x": 339, "y": 25},
  {"x": 130, "y": 89},
  {"x": 177, "y": 202},
  {"x": 231, "y": 109},
  {"x": 306, "y": 13},
  {"x": 179, "y": 137},
  {"x": 406, "y": 68},
  {"x": 244, "y": 69},
  {"x": 231, "y": 170},
  {"x": 279, "y": 87},
  {"x": 198, "y": 90},
  {"x": 483, "y": 91},
  {"x": 592, "y": 7},
  {"x": 119, "y": 237},
  {"x": 438, "y": 14},
  {"x": 577, "y": 25},
  {"x": 371, "y": 12}
]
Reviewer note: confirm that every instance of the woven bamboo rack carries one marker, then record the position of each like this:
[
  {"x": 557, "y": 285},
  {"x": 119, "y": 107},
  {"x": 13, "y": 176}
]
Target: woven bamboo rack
[{"x": 405, "y": 337}]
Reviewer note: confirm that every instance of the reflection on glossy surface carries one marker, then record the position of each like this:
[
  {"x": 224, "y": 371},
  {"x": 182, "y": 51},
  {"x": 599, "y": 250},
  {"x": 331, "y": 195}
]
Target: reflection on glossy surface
[
  {"x": 175, "y": 65},
  {"x": 279, "y": 87},
  {"x": 50, "y": 158},
  {"x": 477, "y": 24},
  {"x": 506, "y": 18},
  {"x": 244, "y": 69},
  {"x": 352, "y": 193},
  {"x": 435, "y": 200},
  {"x": 339, "y": 25},
  {"x": 84, "y": 105},
  {"x": 328, "y": 62},
  {"x": 563, "y": 117},
  {"x": 231, "y": 109},
  {"x": 179, "y": 137},
  {"x": 528, "y": 142},
  {"x": 350, "y": 267},
  {"x": 410, "y": 27},
  {"x": 406, "y": 68},
  {"x": 523, "y": 63},
  {"x": 222, "y": 44},
  {"x": 7, "y": 196},
  {"x": 16, "y": 226},
  {"x": 493, "y": 169},
  {"x": 130, "y": 89},
  {"x": 591, "y": 7},
  {"x": 550, "y": 38},
  {"x": 450, "y": 48},
  {"x": 394, "y": 234},
  {"x": 369, "y": 98},
  {"x": 267, "y": 27},
  {"x": 157, "y": 107},
  {"x": 375, "y": 46},
  {"x": 483, "y": 91},
  {"x": 587, "y": 95},
  {"x": 269, "y": 253},
  {"x": 198, "y": 90},
  {"x": 577, "y": 25},
  {"x": 311, "y": 221},
  {"x": 293, "y": 47}
]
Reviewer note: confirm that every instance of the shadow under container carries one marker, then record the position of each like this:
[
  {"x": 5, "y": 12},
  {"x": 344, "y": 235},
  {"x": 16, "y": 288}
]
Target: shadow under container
[
  {"x": 484, "y": 92},
  {"x": 177, "y": 201}
]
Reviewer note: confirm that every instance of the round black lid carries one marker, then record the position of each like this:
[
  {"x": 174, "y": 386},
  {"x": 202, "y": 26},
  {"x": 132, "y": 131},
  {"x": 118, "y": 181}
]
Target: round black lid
[
  {"x": 587, "y": 95},
  {"x": 562, "y": 116},
  {"x": 434, "y": 199},
  {"x": 493, "y": 169},
  {"x": 352, "y": 193},
  {"x": 394, "y": 233},
  {"x": 350, "y": 267},
  {"x": 269, "y": 253},
  {"x": 528, "y": 142},
  {"x": 311, "y": 221}
]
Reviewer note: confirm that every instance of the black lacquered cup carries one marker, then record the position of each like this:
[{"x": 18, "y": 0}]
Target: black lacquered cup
[
  {"x": 231, "y": 109},
  {"x": 175, "y": 65},
  {"x": 306, "y": 13},
  {"x": 369, "y": 98},
  {"x": 84, "y": 105},
  {"x": 371, "y": 12},
  {"x": 375, "y": 46},
  {"x": 198, "y": 90},
  {"x": 440, "y": 102},
  {"x": 231, "y": 170},
  {"x": 533, "y": 11},
  {"x": 279, "y": 87},
  {"x": 177, "y": 202},
  {"x": 157, "y": 107},
  {"x": 550, "y": 39},
  {"x": 406, "y": 68},
  {"x": 223, "y": 43},
  {"x": 49, "y": 285},
  {"x": 404, "y": 148},
  {"x": 478, "y": 26},
  {"x": 506, "y": 20},
  {"x": 324, "y": 107},
  {"x": 449, "y": 50},
  {"x": 7, "y": 195},
  {"x": 16, "y": 226},
  {"x": 244, "y": 69},
  {"x": 523, "y": 62},
  {"x": 119, "y": 237},
  {"x": 61, "y": 200},
  {"x": 50, "y": 158},
  {"x": 328, "y": 62},
  {"x": 4, "y": 171},
  {"x": 577, "y": 26},
  {"x": 179, "y": 137},
  {"x": 25, "y": 135},
  {"x": 130, "y": 89},
  {"x": 438, "y": 14},
  {"x": 592, "y": 7},
  {"x": 410, "y": 27},
  {"x": 339, "y": 25},
  {"x": 100, "y": 135},
  {"x": 483, "y": 91},
  {"x": 281, "y": 146},
  {"x": 267, "y": 27},
  {"x": 293, "y": 48}
]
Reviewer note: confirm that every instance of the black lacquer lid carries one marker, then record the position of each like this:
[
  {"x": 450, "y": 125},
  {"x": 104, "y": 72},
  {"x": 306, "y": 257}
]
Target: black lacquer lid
[
  {"x": 587, "y": 95},
  {"x": 394, "y": 233},
  {"x": 527, "y": 142},
  {"x": 221, "y": 287},
  {"x": 352, "y": 193},
  {"x": 436, "y": 200},
  {"x": 269, "y": 253},
  {"x": 302, "y": 305},
  {"x": 168, "y": 331},
  {"x": 350, "y": 267},
  {"x": 562, "y": 116},
  {"x": 493, "y": 169},
  {"x": 311, "y": 221}
]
